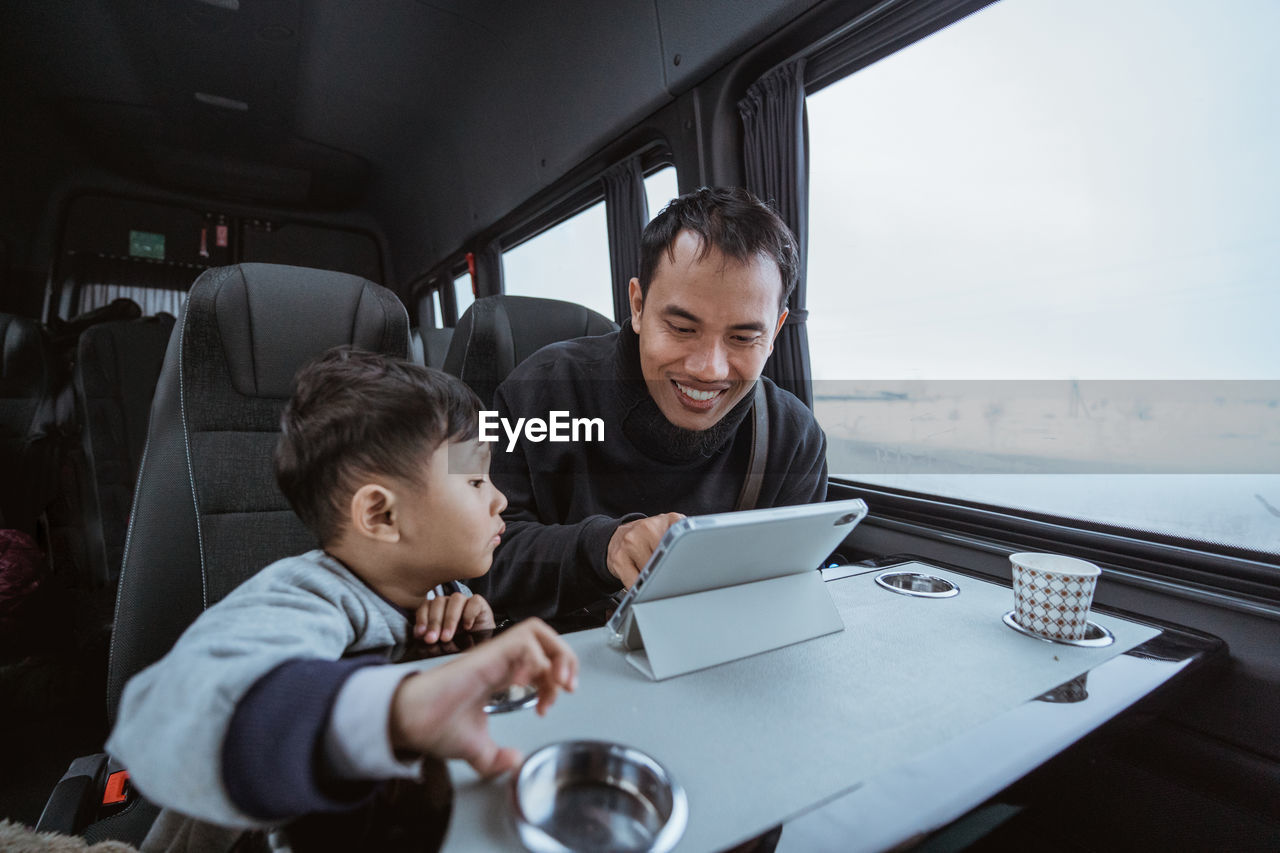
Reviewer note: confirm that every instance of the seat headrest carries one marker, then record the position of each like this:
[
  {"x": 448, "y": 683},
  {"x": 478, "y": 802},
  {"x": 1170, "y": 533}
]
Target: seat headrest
[
  {"x": 272, "y": 318},
  {"x": 25, "y": 357},
  {"x": 498, "y": 332}
]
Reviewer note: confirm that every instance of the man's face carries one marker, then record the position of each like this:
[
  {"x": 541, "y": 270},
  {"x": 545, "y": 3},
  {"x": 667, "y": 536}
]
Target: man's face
[{"x": 705, "y": 330}]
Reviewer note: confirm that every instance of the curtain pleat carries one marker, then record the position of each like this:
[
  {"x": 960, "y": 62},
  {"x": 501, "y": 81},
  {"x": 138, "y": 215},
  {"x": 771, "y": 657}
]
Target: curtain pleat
[
  {"x": 155, "y": 286},
  {"x": 775, "y": 151},
  {"x": 627, "y": 211}
]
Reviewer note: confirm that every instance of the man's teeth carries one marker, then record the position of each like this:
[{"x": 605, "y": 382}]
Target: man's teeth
[{"x": 695, "y": 393}]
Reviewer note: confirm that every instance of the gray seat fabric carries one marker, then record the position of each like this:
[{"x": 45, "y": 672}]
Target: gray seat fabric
[
  {"x": 498, "y": 332},
  {"x": 430, "y": 346},
  {"x": 207, "y": 513},
  {"x": 29, "y": 442},
  {"x": 417, "y": 350},
  {"x": 117, "y": 365},
  {"x": 436, "y": 346}
]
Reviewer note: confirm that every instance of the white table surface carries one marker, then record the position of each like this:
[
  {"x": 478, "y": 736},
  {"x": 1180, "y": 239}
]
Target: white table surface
[{"x": 852, "y": 739}]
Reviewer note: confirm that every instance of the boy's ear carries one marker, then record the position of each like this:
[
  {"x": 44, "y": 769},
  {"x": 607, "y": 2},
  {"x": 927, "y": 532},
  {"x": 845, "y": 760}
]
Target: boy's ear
[{"x": 373, "y": 513}]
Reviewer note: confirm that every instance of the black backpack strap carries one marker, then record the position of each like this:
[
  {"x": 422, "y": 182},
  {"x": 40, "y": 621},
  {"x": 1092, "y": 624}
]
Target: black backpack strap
[{"x": 759, "y": 450}]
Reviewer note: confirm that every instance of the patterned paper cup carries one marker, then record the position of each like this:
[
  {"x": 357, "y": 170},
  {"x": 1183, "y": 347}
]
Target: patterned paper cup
[{"x": 1052, "y": 594}]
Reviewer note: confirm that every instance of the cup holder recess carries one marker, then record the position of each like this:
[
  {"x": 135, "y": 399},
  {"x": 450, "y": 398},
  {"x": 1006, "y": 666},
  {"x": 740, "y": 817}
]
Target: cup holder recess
[{"x": 917, "y": 584}]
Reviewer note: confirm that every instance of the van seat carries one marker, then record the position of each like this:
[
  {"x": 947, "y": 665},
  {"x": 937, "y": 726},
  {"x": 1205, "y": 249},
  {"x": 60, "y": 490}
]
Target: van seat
[
  {"x": 29, "y": 443},
  {"x": 207, "y": 513},
  {"x": 117, "y": 364},
  {"x": 498, "y": 332},
  {"x": 430, "y": 346}
]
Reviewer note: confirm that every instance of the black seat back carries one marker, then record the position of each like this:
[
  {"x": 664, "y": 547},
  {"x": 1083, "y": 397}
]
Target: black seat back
[
  {"x": 430, "y": 346},
  {"x": 207, "y": 513},
  {"x": 117, "y": 365},
  {"x": 29, "y": 443},
  {"x": 436, "y": 346},
  {"x": 498, "y": 332}
]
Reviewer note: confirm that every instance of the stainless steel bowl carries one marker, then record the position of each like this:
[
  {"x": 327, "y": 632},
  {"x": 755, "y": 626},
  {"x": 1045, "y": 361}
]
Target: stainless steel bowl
[
  {"x": 588, "y": 795},
  {"x": 917, "y": 584},
  {"x": 517, "y": 697}
]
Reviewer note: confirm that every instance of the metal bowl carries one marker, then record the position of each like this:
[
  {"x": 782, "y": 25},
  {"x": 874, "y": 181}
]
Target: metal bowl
[
  {"x": 587, "y": 795},
  {"x": 517, "y": 697},
  {"x": 917, "y": 584}
]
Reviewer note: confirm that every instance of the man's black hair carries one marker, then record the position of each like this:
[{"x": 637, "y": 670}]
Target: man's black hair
[
  {"x": 357, "y": 414},
  {"x": 728, "y": 219}
]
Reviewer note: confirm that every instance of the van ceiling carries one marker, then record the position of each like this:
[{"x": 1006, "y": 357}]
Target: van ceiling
[{"x": 436, "y": 117}]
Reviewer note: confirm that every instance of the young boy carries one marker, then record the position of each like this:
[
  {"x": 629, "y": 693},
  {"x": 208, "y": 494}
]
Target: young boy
[{"x": 278, "y": 700}]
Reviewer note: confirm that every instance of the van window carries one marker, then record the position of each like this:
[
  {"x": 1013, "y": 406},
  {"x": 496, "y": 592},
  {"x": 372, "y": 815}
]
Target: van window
[
  {"x": 462, "y": 293},
  {"x": 568, "y": 261},
  {"x": 437, "y": 316},
  {"x": 1043, "y": 254},
  {"x": 659, "y": 189}
]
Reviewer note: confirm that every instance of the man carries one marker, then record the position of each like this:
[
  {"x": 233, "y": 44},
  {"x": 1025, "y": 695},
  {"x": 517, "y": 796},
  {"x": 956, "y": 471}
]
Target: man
[{"x": 674, "y": 390}]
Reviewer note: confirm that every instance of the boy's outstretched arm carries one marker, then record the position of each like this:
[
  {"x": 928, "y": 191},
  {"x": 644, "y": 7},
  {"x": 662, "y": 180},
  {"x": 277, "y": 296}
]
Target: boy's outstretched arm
[{"x": 440, "y": 711}]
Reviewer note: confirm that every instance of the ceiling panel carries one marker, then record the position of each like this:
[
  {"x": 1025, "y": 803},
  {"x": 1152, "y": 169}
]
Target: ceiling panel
[
  {"x": 706, "y": 34},
  {"x": 437, "y": 116},
  {"x": 472, "y": 108}
]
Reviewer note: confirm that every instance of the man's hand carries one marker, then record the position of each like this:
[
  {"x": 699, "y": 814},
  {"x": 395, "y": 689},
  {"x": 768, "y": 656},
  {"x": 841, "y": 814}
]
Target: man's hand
[
  {"x": 441, "y": 711},
  {"x": 439, "y": 617},
  {"x": 633, "y": 543}
]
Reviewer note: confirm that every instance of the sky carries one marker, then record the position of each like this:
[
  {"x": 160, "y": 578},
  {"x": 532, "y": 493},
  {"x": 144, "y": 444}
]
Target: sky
[{"x": 1053, "y": 190}]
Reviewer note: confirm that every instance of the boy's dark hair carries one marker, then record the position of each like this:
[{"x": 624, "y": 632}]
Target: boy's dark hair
[
  {"x": 356, "y": 414},
  {"x": 729, "y": 219}
]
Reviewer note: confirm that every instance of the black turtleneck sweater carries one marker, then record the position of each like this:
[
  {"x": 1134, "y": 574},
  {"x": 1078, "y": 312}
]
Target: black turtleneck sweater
[{"x": 565, "y": 500}]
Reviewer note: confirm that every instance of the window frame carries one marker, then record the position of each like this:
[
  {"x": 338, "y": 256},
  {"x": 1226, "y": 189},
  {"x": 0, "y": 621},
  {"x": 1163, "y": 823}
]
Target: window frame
[
  {"x": 1228, "y": 576},
  {"x": 543, "y": 212},
  {"x": 584, "y": 195},
  {"x": 578, "y": 202},
  {"x": 1231, "y": 575}
]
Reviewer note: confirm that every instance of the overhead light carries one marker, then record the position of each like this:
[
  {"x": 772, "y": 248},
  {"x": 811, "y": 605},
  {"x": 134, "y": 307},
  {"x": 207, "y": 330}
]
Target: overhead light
[
  {"x": 221, "y": 102},
  {"x": 229, "y": 5}
]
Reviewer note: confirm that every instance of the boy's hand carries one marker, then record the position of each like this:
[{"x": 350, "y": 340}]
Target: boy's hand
[
  {"x": 440, "y": 711},
  {"x": 439, "y": 618}
]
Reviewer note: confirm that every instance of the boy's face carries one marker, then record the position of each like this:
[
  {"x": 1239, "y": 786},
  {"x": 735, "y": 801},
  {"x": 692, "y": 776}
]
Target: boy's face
[{"x": 454, "y": 522}]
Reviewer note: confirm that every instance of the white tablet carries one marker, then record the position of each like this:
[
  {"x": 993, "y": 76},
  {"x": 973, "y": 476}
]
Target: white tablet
[{"x": 707, "y": 552}]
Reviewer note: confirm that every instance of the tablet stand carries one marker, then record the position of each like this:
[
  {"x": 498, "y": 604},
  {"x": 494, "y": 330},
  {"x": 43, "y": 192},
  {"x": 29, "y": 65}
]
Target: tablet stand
[{"x": 673, "y": 636}]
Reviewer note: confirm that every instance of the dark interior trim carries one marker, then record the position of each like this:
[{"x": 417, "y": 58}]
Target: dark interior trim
[
  {"x": 1235, "y": 574},
  {"x": 578, "y": 191},
  {"x": 877, "y": 33},
  {"x": 58, "y": 267},
  {"x": 571, "y": 201}
]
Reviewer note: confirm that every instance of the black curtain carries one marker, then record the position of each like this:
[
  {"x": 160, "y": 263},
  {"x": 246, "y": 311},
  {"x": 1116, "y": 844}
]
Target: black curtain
[
  {"x": 627, "y": 211},
  {"x": 442, "y": 285},
  {"x": 775, "y": 153},
  {"x": 489, "y": 270}
]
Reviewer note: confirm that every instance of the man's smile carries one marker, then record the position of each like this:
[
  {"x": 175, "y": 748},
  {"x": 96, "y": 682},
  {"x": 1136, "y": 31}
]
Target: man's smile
[{"x": 697, "y": 398}]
